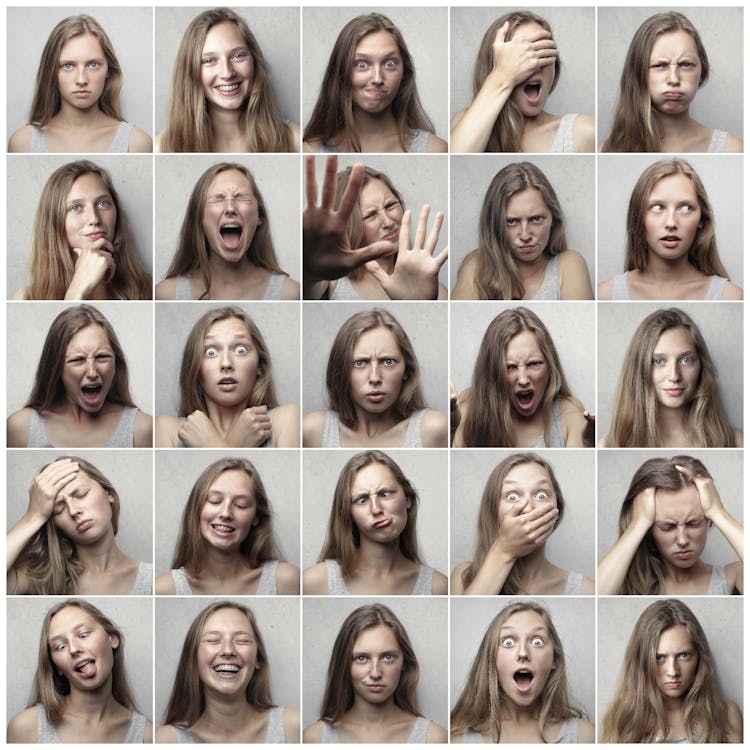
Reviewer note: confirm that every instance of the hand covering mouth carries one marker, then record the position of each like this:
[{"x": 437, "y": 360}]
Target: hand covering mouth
[{"x": 523, "y": 678}]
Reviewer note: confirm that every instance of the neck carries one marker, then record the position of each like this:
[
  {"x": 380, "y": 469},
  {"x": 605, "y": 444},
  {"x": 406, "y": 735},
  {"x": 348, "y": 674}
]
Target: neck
[
  {"x": 534, "y": 566},
  {"x": 372, "y": 124},
  {"x": 662, "y": 270},
  {"x": 676, "y": 124},
  {"x": 227, "y": 713},
  {"x": 363, "y": 712},
  {"x": 102, "y": 556},
  {"x": 379, "y": 557},
  {"x": 225, "y": 123},
  {"x": 537, "y": 121},
  {"x": 81, "y": 416},
  {"x": 512, "y": 712},
  {"x": 90, "y": 705},
  {"x": 222, "y": 565},
  {"x": 74, "y": 118},
  {"x": 223, "y": 417},
  {"x": 532, "y": 268},
  {"x": 671, "y": 422},
  {"x": 374, "y": 424},
  {"x": 673, "y": 706}
]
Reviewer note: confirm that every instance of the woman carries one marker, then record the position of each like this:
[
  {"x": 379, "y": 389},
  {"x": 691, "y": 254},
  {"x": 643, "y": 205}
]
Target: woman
[
  {"x": 522, "y": 505},
  {"x": 501, "y": 702},
  {"x": 668, "y": 689},
  {"x": 80, "y": 397},
  {"x": 671, "y": 248},
  {"x": 225, "y": 249},
  {"x": 374, "y": 393},
  {"x": 80, "y": 689},
  {"x": 522, "y": 253},
  {"x": 227, "y": 397},
  {"x": 519, "y": 397},
  {"x": 226, "y": 544},
  {"x": 668, "y": 393},
  {"x": 222, "y": 99},
  {"x": 81, "y": 246},
  {"x": 665, "y": 66},
  {"x": 371, "y": 687},
  {"x": 221, "y": 690},
  {"x": 664, "y": 522},
  {"x": 368, "y": 98},
  {"x": 517, "y": 68},
  {"x": 371, "y": 544},
  {"x": 76, "y": 105}
]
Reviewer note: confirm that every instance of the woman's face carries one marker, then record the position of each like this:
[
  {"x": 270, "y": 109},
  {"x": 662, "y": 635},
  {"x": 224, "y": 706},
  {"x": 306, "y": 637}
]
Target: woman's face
[
  {"x": 377, "y": 663},
  {"x": 529, "y": 486},
  {"x": 227, "y": 653},
  {"x": 674, "y": 72},
  {"x": 90, "y": 212},
  {"x": 377, "y": 370},
  {"x": 83, "y": 510},
  {"x": 525, "y": 657},
  {"x": 80, "y": 648},
  {"x": 675, "y": 368},
  {"x": 676, "y": 662},
  {"x": 82, "y": 72},
  {"x": 531, "y": 95},
  {"x": 229, "y": 511},
  {"x": 381, "y": 214},
  {"x": 526, "y": 373},
  {"x": 230, "y": 216},
  {"x": 227, "y": 67},
  {"x": 376, "y": 73},
  {"x": 672, "y": 217},
  {"x": 680, "y": 527},
  {"x": 89, "y": 368},
  {"x": 379, "y": 506},
  {"x": 229, "y": 363},
  {"x": 528, "y": 223}
]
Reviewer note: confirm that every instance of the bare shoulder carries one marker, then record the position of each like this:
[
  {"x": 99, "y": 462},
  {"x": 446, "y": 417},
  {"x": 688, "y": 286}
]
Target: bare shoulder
[
  {"x": 732, "y": 291},
  {"x": 291, "y": 724},
  {"x": 587, "y": 587},
  {"x": 158, "y": 150},
  {"x": 313, "y": 425},
  {"x": 18, "y": 428},
  {"x": 23, "y": 293},
  {"x": 144, "y": 430},
  {"x": 315, "y": 579},
  {"x": 148, "y": 731},
  {"x": 311, "y": 147},
  {"x": 436, "y": 733},
  {"x": 573, "y": 421},
  {"x": 735, "y": 575},
  {"x": 290, "y": 289},
  {"x": 20, "y": 140},
  {"x": 457, "y": 581},
  {"x": 22, "y": 727},
  {"x": 436, "y": 145},
  {"x": 584, "y": 134},
  {"x": 734, "y": 144},
  {"x": 457, "y": 117},
  {"x": 140, "y": 142},
  {"x": 467, "y": 272},
  {"x": 287, "y": 578},
  {"x": 439, "y": 583},
  {"x": 313, "y": 733},
  {"x": 167, "y": 429},
  {"x": 166, "y": 733},
  {"x": 574, "y": 276},
  {"x": 285, "y": 426},
  {"x": 434, "y": 429},
  {"x": 442, "y": 291},
  {"x": 738, "y": 438},
  {"x": 294, "y": 134},
  {"x": 734, "y": 723},
  {"x": 586, "y": 731},
  {"x": 164, "y": 586},
  {"x": 457, "y": 738},
  {"x": 167, "y": 289},
  {"x": 605, "y": 289}
]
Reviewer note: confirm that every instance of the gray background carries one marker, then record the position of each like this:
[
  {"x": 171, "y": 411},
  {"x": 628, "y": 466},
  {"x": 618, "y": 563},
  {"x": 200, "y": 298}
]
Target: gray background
[
  {"x": 573, "y": 30},
  {"x": 425, "y": 31},
  {"x": 278, "y": 323},
  {"x": 278, "y": 622},
  {"x": 571, "y": 546},
  {"x": 426, "y": 325},
  {"x": 275, "y": 28},
  {"x": 129, "y": 29},
  {"x": 720, "y": 325},
  {"x": 177, "y": 472},
  {"x": 426, "y": 470},
  {"x": 571, "y": 179},
  {"x": 425, "y": 620},
  {"x": 27, "y": 176},
  {"x": 722, "y": 179},
  {"x": 718, "y": 103}
]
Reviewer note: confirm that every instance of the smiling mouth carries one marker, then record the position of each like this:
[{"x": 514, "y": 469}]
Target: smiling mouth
[
  {"x": 227, "y": 88},
  {"x": 228, "y": 669},
  {"x": 220, "y": 528}
]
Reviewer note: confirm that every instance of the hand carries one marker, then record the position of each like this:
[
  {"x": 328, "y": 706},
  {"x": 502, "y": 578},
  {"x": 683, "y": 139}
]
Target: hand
[
  {"x": 415, "y": 275},
  {"x": 95, "y": 264},
  {"x": 455, "y": 410},
  {"x": 251, "y": 429},
  {"x": 197, "y": 431},
  {"x": 589, "y": 430},
  {"x": 522, "y": 532},
  {"x": 518, "y": 59},
  {"x": 707, "y": 493},
  {"x": 46, "y": 485},
  {"x": 644, "y": 507}
]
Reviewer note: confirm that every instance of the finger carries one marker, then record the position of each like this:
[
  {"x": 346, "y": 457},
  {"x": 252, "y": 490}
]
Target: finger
[
  {"x": 357, "y": 258},
  {"x": 352, "y": 191},
  {"x": 589, "y": 417},
  {"x": 260, "y": 409},
  {"x": 311, "y": 182},
  {"x": 328, "y": 194},
  {"x": 419, "y": 238},
  {"x": 77, "y": 251},
  {"x": 441, "y": 257},
  {"x": 454, "y": 392},
  {"x": 536, "y": 36},
  {"x": 377, "y": 272},
  {"x": 501, "y": 32},
  {"x": 404, "y": 236},
  {"x": 435, "y": 233}
]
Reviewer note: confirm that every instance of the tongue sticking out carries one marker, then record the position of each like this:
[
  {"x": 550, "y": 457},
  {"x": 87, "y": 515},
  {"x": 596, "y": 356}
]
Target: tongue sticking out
[
  {"x": 231, "y": 237},
  {"x": 88, "y": 669}
]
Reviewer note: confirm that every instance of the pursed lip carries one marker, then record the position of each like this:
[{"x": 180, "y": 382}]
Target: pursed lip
[
  {"x": 375, "y": 396},
  {"x": 84, "y": 525},
  {"x": 678, "y": 391},
  {"x": 98, "y": 234},
  {"x": 392, "y": 236},
  {"x": 683, "y": 553},
  {"x": 382, "y": 523},
  {"x": 673, "y": 95}
]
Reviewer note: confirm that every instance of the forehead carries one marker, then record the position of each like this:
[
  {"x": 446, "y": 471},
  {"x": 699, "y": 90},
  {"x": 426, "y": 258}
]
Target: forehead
[
  {"x": 675, "y": 638},
  {"x": 228, "y": 618},
  {"x": 523, "y": 344},
  {"x": 224, "y": 34},
  {"x": 92, "y": 335},
  {"x": 86, "y": 184},
  {"x": 66, "y": 618},
  {"x": 525, "y": 202},
  {"x": 373, "y": 473},
  {"x": 675, "y": 504},
  {"x": 84, "y": 45},
  {"x": 524, "y": 621},
  {"x": 678, "y": 186},
  {"x": 375, "y": 191},
  {"x": 229, "y": 327},
  {"x": 377, "y": 638},
  {"x": 528, "y": 473},
  {"x": 528, "y": 28},
  {"x": 376, "y": 339},
  {"x": 674, "y": 44},
  {"x": 233, "y": 481},
  {"x": 675, "y": 339},
  {"x": 229, "y": 179},
  {"x": 376, "y": 43}
]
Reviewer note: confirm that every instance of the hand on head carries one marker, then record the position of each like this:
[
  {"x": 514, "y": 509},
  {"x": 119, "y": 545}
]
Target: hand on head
[{"x": 527, "y": 52}]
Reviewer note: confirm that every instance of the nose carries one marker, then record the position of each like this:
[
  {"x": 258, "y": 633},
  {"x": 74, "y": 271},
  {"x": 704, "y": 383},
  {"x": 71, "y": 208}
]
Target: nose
[
  {"x": 225, "y": 511},
  {"x": 81, "y": 74},
  {"x": 73, "y": 511},
  {"x": 525, "y": 230},
  {"x": 375, "y": 372},
  {"x": 671, "y": 217},
  {"x": 674, "y": 372},
  {"x": 375, "y": 669},
  {"x": 75, "y": 647},
  {"x": 230, "y": 205},
  {"x": 523, "y": 376},
  {"x": 522, "y": 653},
  {"x": 377, "y": 74},
  {"x": 673, "y": 76},
  {"x": 91, "y": 367},
  {"x": 375, "y": 507},
  {"x": 226, "y": 359},
  {"x": 226, "y": 68},
  {"x": 682, "y": 537},
  {"x": 673, "y": 669},
  {"x": 227, "y": 647}
]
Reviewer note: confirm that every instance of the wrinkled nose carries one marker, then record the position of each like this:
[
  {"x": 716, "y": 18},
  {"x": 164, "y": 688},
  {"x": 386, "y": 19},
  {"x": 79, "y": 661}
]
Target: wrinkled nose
[
  {"x": 375, "y": 507},
  {"x": 523, "y": 376},
  {"x": 682, "y": 537},
  {"x": 375, "y": 373},
  {"x": 673, "y": 76}
]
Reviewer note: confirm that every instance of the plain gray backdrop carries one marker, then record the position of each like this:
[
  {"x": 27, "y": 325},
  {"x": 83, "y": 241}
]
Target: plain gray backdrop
[
  {"x": 722, "y": 179},
  {"x": 718, "y": 103},
  {"x": 571, "y": 545},
  {"x": 177, "y": 472},
  {"x": 425, "y": 32},
  {"x": 425, "y": 620},
  {"x": 277, "y": 178},
  {"x": 277, "y": 322},
  {"x": 276, "y": 30},
  {"x": 277, "y": 620},
  {"x": 426, "y": 470},
  {"x": 129, "y": 29},
  {"x": 27, "y": 176},
  {"x": 720, "y": 325},
  {"x": 571, "y": 179}
]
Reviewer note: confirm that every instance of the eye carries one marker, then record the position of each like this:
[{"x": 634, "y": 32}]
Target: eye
[
  {"x": 537, "y": 219},
  {"x": 104, "y": 203},
  {"x": 360, "y": 658},
  {"x": 361, "y": 500},
  {"x": 688, "y": 359},
  {"x": 686, "y": 208},
  {"x": 370, "y": 216},
  {"x": 208, "y": 60},
  {"x": 360, "y": 65},
  {"x": 659, "y": 66},
  {"x": 685, "y": 655},
  {"x": 656, "y": 208},
  {"x": 59, "y": 646},
  {"x": 542, "y": 495},
  {"x": 667, "y": 527},
  {"x": 244, "y": 197},
  {"x": 83, "y": 634},
  {"x": 67, "y": 66},
  {"x": 389, "y": 362},
  {"x": 359, "y": 363},
  {"x": 537, "y": 642},
  {"x": 659, "y": 658},
  {"x": 76, "y": 361},
  {"x": 696, "y": 524},
  {"x": 536, "y": 363},
  {"x": 389, "y": 658},
  {"x": 74, "y": 208},
  {"x": 392, "y": 205},
  {"x": 511, "y": 222},
  {"x": 512, "y": 368},
  {"x": 387, "y": 493},
  {"x": 211, "y": 351},
  {"x": 392, "y": 64},
  {"x": 241, "y": 349},
  {"x": 507, "y": 643},
  {"x": 214, "y": 501},
  {"x": 239, "y": 55},
  {"x": 103, "y": 357},
  {"x": 95, "y": 65},
  {"x": 211, "y": 639},
  {"x": 658, "y": 361},
  {"x": 688, "y": 65},
  {"x": 512, "y": 497}
]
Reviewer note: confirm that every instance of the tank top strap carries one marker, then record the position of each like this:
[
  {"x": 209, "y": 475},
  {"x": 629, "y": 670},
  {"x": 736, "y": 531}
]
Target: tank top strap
[
  {"x": 344, "y": 290},
  {"x": 144, "y": 580},
  {"x": 123, "y": 435},
  {"x": 717, "y": 586},
  {"x": 183, "y": 736},
  {"x": 267, "y": 582},
  {"x": 568, "y": 732},
  {"x": 336, "y": 584},
  {"x": 419, "y": 732},
  {"x": 419, "y": 142},
  {"x": 423, "y": 585},
  {"x": 331, "y": 437},
  {"x": 563, "y": 142},
  {"x": 37, "y": 431},
  {"x": 275, "y": 287},
  {"x": 182, "y": 287},
  {"x": 181, "y": 582},
  {"x": 137, "y": 731},
  {"x": 574, "y": 584},
  {"x": 620, "y": 286},
  {"x": 413, "y": 437},
  {"x": 46, "y": 734},
  {"x": 472, "y": 737},
  {"x": 275, "y": 732},
  {"x": 716, "y": 288},
  {"x": 121, "y": 140},
  {"x": 718, "y": 143},
  {"x": 330, "y": 735},
  {"x": 556, "y": 435},
  {"x": 549, "y": 289}
]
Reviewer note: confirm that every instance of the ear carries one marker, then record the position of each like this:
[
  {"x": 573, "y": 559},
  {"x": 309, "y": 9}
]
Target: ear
[
  {"x": 110, "y": 497},
  {"x": 115, "y": 641}
]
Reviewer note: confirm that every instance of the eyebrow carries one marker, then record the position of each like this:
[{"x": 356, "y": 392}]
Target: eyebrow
[
  {"x": 233, "y": 633},
  {"x": 105, "y": 194},
  {"x": 212, "y": 337},
  {"x": 238, "y": 496},
  {"x": 239, "y": 47},
  {"x": 681, "y": 354},
  {"x": 536, "y": 484},
  {"x": 55, "y": 638},
  {"x": 533, "y": 631}
]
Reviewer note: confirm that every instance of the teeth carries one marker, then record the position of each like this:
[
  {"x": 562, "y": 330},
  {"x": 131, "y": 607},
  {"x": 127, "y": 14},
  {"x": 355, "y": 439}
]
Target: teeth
[
  {"x": 82, "y": 664},
  {"x": 228, "y": 87},
  {"x": 221, "y": 528},
  {"x": 226, "y": 668}
]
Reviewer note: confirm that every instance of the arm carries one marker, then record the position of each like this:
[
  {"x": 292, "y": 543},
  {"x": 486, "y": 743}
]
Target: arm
[
  {"x": 584, "y": 134},
  {"x": 20, "y": 141},
  {"x": 166, "y": 289},
  {"x": 436, "y": 145},
  {"x": 434, "y": 429},
  {"x": 604, "y": 290},
  {"x": 732, "y": 292},
  {"x": 313, "y": 425},
  {"x": 140, "y": 142},
  {"x": 166, "y": 432},
  {"x": 148, "y": 732},
  {"x": 464, "y": 288},
  {"x": 439, "y": 583},
  {"x": 291, "y": 725},
  {"x": 294, "y": 134},
  {"x": 164, "y": 587},
  {"x": 285, "y": 426},
  {"x": 734, "y": 723},
  {"x": 22, "y": 727},
  {"x": 313, "y": 733},
  {"x": 287, "y": 578},
  {"x": 436, "y": 733},
  {"x": 586, "y": 732},
  {"x": 17, "y": 428},
  {"x": 315, "y": 579},
  {"x": 734, "y": 144},
  {"x": 574, "y": 281},
  {"x": 143, "y": 435}
]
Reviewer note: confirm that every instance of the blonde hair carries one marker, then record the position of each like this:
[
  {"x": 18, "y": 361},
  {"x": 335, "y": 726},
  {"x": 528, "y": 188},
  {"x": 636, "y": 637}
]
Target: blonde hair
[
  {"x": 333, "y": 116},
  {"x": 507, "y": 132},
  {"x": 638, "y": 713},
  {"x": 634, "y": 127},
  {"x": 189, "y": 126},
  {"x": 479, "y": 707},
  {"x": 634, "y": 418}
]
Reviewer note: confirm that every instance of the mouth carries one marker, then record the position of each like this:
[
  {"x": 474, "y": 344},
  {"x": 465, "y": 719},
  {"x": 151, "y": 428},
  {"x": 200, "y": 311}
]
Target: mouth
[
  {"x": 683, "y": 554},
  {"x": 674, "y": 392},
  {"x": 222, "y": 530},
  {"x": 95, "y": 235},
  {"x": 384, "y": 523},
  {"x": 674, "y": 95},
  {"x": 227, "y": 384},
  {"x": 86, "y": 668},
  {"x": 525, "y": 400},
  {"x": 533, "y": 91},
  {"x": 673, "y": 685},
  {"x": 523, "y": 678},
  {"x": 227, "y": 89},
  {"x": 392, "y": 236},
  {"x": 375, "y": 397},
  {"x": 375, "y": 688},
  {"x": 231, "y": 236},
  {"x": 526, "y": 248},
  {"x": 92, "y": 394},
  {"x": 670, "y": 240},
  {"x": 81, "y": 92},
  {"x": 84, "y": 525}
]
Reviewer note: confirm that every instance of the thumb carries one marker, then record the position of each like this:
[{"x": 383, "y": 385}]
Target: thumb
[
  {"x": 77, "y": 251},
  {"x": 501, "y": 32},
  {"x": 371, "y": 252},
  {"x": 377, "y": 271}
]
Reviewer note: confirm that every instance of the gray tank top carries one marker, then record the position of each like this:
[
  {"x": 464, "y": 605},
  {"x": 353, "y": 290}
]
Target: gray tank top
[
  {"x": 273, "y": 290},
  {"x": 563, "y": 143},
  {"x": 418, "y": 733},
  {"x": 714, "y": 292},
  {"x": 556, "y": 435},
  {"x": 418, "y": 145},
  {"x": 574, "y": 584},
  {"x": 119, "y": 145},
  {"x": 122, "y": 437},
  {"x": 144, "y": 580},
  {"x": 568, "y": 734},
  {"x": 266, "y": 584},
  {"x": 718, "y": 144},
  {"x": 337, "y": 585},
  {"x": 267, "y": 444},
  {"x": 274, "y": 733},
  {"x": 344, "y": 290},
  {"x": 332, "y": 439},
  {"x": 717, "y": 586},
  {"x": 550, "y": 286},
  {"x": 47, "y": 734}
]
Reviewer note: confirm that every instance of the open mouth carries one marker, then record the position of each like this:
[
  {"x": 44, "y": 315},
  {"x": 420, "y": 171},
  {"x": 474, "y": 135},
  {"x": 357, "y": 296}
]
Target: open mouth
[
  {"x": 226, "y": 669},
  {"x": 220, "y": 528},
  {"x": 92, "y": 393},
  {"x": 231, "y": 236},
  {"x": 523, "y": 679},
  {"x": 227, "y": 384},
  {"x": 533, "y": 90},
  {"x": 525, "y": 398},
  {"x": 86, "y": 668},
  {"x": 228, "y": 88}
]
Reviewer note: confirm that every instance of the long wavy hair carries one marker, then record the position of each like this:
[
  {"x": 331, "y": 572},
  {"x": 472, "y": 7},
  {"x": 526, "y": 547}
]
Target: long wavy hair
[
  {"x": 635, "y": 126},
  {"x": 192, "y": 397},
  {"x": 487, "y": 520},
  {"x": 634, "y": 417},
  {"x": 52, "y": 261},
  {"x": 189, "y": 126},
  {"x": 187, "y": 701},
  {"x": 489, "y": 418},
  {"x": 47, "y": 102},
  {"x": 48, "y": 388},
  {"x": 193, "y": 250},
  {"x": 507, "y": 132},
  {"x": 51, "y": 688},
  {"x": 257, "y": 547},
  {"x": 479, "y": 707},
  {"x": 332, "y": 119},
  {"x": 703, "y": 253},
  {"x": 338, "y": 697},
  {"x": 638, "y": 713},
  {"x": 497, "y": 275}
]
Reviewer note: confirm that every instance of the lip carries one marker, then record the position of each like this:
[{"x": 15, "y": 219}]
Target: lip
[
  {"x": 673, "y": 95},
  {"x": 384, "y": 523},
  {"x": 524, "y": 407},
  {"x": 674, "y": 392},
  {"x": 375, "y": 397},
  {"x": 683, "y": 554},
  {"x": 527, "y": 689},
  {"x": 670, "y": 241},
  {"x": 672, "y": 685},
  {"x": 82, "y": 92},
  {"x": 223, "y": 530},
  {"x": 84, "y": 525},
  {"x": 392, "y": 236},
  {"x": 95, "y": 235},
  {"x": 228, "y": 89},
  {"x": 226, "y": 675},
  {"x": 526, "y": 248},
  {"x": 227, "y": 385},
  {"x": 375, "y": 688},
  {"x": 95, "y": 397}
]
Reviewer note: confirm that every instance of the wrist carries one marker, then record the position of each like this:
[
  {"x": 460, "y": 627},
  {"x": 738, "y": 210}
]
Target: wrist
[
  {"x": 501, "y": 554},
  {"x": 499, "y": 83},
  {"x": 34, "y": 520}
]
